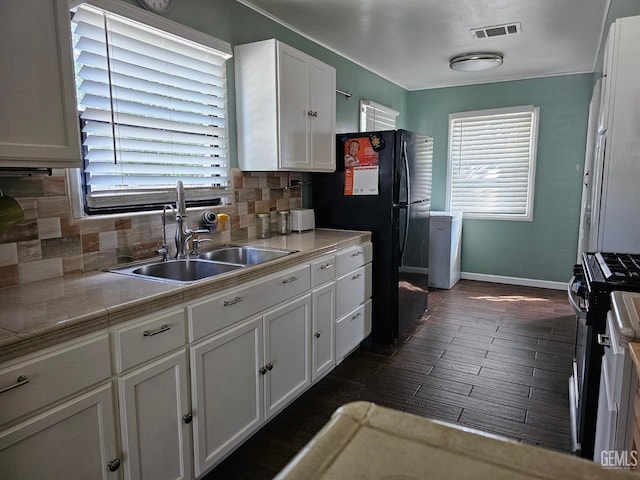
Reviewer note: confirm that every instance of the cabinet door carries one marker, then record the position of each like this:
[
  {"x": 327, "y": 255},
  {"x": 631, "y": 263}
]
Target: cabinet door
[
  {"x": 74, "y": 440},
  {"x": 287, "y": 343},
  {"x": 37, "y": 85},
  {"x": 153, "y": 403},
  {"x": 295, "y": 115},
  {"x": 323, "y": 301},
  {"x": 227, "y": 391},
  {"x": 323, "y": 120}
]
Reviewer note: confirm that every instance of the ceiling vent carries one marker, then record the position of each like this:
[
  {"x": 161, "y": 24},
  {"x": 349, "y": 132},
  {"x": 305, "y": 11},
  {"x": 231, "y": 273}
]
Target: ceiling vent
[{"x": 496, "y": 30}]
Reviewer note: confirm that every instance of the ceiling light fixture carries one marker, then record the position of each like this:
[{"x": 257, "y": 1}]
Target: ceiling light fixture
[{"x": 475, "y": 62}]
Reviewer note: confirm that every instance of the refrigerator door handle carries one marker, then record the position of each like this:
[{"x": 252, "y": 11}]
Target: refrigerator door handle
[{"x": 405, "y": 164}]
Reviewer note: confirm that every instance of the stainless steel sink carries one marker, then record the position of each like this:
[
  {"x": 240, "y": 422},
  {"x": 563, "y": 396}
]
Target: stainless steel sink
[
  {"x": 180, "y": 271},
  {"x": 245, "y": 255}
]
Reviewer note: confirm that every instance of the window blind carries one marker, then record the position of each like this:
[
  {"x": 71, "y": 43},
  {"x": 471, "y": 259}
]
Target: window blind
[
  {"x": 374, "y": 117},
  {"x": 423, "y": 169},
  {"x": 153, "y": 110},
  {"x": 492, "y": 162}
]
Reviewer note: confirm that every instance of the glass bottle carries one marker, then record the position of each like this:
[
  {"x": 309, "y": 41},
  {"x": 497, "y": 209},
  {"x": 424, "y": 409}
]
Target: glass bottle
[
  {"x": 263, "y": 228},
  {"x": 283, "y": 222}
]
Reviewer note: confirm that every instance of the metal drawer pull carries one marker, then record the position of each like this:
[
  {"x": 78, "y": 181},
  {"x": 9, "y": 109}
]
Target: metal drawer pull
[
  {"x": 317, "y": 334},
  {"x": 187, "y": 418},
  {"x": 270, "y": 366},
  {"x": 356, "y": 316},
  {"x": 355, "y": 254},
  {"x": 328, "y": 265},
  {"x": 604, "y": 340},
  {"x": 150, "y": 333},
  {"x": 356, "y": 276},
  {"x": 22, "y": 380},
  {"x": 290, "y": 279},
  {"x": 228, "y": 303},
  {"x": 263, "y": 370}
]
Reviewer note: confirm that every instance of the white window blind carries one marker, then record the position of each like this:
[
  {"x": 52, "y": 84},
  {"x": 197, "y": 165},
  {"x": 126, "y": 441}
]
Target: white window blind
[
  {"x": 492, "y": 156},
  {"x": 153, "y": 110},
  {"x": 374, "y": 117},
  {"x": 423, "y": 170}
]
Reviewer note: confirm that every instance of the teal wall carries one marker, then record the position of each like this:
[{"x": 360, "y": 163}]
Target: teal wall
[{"x": 545, "y": 248}]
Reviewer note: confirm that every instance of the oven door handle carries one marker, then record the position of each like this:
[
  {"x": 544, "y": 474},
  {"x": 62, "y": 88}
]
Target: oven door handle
[{"x": 579, "y": 310}]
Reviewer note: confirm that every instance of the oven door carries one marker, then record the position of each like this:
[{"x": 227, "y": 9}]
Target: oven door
[{"x": 576, "y": 381}]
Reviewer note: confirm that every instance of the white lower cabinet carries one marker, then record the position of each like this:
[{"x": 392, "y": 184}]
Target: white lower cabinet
[
  {"x": 287, "y": 353},
  {"x": 76, "y": 439},
  {"x": 227, "y": 391},
  {"x": 155, "y": 417},
  {"x": 323, "y": 352},
  {"x": 245, "y": 375}
]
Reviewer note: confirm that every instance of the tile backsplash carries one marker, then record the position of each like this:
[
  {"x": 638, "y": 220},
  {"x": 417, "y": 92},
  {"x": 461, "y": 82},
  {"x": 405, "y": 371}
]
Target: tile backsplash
[{"x": 50, "y": 243}]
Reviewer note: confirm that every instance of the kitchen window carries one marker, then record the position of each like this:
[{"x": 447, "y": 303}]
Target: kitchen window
[
  {"x": 491, "y": 166},
  {"x": 375, "y": 117},
  {"x": 152, "y": 105}
]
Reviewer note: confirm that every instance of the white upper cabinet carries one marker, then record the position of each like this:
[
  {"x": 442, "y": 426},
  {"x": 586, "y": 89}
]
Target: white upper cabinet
[
  {"x": 38, "y": 114},
  {"x": 286, "y": 109}
]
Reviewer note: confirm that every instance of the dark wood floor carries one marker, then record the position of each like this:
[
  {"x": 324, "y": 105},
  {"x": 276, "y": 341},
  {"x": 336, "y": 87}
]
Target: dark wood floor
[{"x": 493, "y": 357}]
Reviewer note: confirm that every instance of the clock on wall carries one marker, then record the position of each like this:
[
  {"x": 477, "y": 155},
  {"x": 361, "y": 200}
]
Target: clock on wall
[{"x": 157, "y": 6}]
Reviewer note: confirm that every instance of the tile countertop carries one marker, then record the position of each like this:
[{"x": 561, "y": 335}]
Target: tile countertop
[
  {"x": 365, "y": 441},
  {"x": 39, "y": 314},
  {"x": 626, "y": 306}
]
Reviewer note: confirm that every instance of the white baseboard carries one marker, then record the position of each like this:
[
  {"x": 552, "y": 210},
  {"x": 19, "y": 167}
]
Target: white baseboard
[
  {"x": 525, "y": 282},
  {"x": 482, "y": 277}
]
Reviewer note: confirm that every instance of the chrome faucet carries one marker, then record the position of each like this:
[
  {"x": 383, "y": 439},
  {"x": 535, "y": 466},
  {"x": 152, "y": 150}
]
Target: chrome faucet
[
  {"x": 164, "y": 249},
  {"x": 183, "y": 232}
]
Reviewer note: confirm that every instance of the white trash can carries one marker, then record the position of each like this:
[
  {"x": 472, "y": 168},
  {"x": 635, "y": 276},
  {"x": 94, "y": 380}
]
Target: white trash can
[{"x": 445, "y": 241}]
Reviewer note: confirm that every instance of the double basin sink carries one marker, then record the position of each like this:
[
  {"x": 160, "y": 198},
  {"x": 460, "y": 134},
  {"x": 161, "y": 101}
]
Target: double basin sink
[{"x": 205, "y": 265}]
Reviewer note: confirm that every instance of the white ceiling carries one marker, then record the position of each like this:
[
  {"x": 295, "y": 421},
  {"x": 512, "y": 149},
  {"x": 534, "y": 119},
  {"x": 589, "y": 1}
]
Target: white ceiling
[{"x": 410, "y": 42}]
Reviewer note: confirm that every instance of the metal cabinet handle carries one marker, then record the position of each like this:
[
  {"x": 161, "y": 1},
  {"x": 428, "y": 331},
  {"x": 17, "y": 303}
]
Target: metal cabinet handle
[
  {"x": 151, "y": 333},
  {"x": 263, "y": 370},
  {"x": 228, "y": 303},
  {"x": 270, "y": 366},
  {"x": 187, "y": 418},
  {"x": 114, "y": 465},
  {"x": 290, "y": 279},
  {"x": 356, "y": 276},
  {"x": 356, "y": 316},
  {"x": 604, "y": 340},
  {"x": 21, "y": 380},
  {"x": 311, "y": 113},
  {"x": 317, "y": 334},
  {"x": 328, "y": 265},
  {"x": 355, "y": 254}
]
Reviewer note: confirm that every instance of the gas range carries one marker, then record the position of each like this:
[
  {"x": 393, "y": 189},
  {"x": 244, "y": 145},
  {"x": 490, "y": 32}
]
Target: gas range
[{"x": 599, "y": 274}]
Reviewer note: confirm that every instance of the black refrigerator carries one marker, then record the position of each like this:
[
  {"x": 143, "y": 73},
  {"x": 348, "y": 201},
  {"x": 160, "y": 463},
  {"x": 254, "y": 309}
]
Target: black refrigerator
[{"x": 377, "y": 187}]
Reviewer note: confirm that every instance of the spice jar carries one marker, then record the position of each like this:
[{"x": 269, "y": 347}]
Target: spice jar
[
  {"x": 263, "y": 228},
  {"x": 283, "y": 222}
]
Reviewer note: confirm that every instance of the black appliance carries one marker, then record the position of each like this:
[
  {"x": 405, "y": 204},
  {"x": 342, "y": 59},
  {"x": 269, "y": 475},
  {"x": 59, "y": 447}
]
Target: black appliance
[
  {"x": 593, "y": 281},
  {"x": 399, "y": 298}
]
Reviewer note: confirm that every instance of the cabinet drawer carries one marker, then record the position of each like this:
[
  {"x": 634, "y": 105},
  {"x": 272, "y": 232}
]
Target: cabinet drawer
[
  {"x": 149, "y": 338},
  {"x": 223, "y": 310},
  {"x": 352, "y": 290},
  {"x": 352, "y": 329},
  {"x": 351, "y": 258},
  {"x": 44, "y": 379},
  {"x": 323, "y": 270}
]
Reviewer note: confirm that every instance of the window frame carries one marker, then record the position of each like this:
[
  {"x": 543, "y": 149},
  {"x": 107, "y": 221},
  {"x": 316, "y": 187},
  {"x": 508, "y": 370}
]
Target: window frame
[
  {"x": 155, "y": 202},
  {"x": 533, "y": 147}
]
